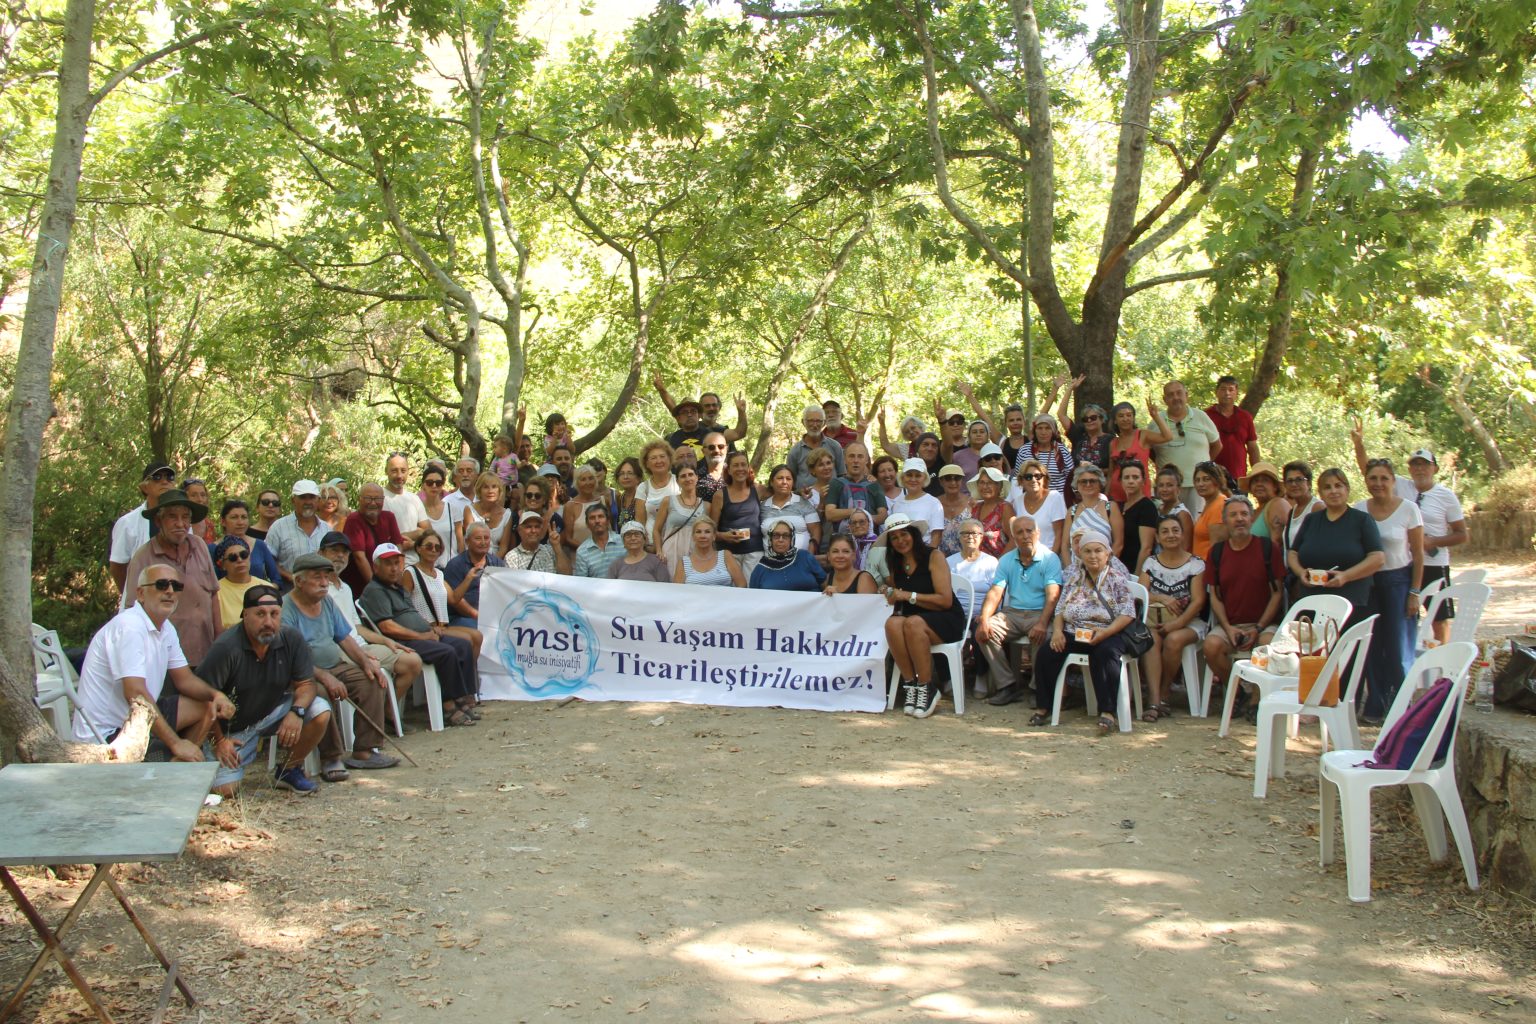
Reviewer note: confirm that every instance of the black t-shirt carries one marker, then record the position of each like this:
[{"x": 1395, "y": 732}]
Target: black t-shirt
[
  {"x": 692, "y": 438},
  {"x": 257, "y": 686},
  {"x": 1142, "y": 513}
]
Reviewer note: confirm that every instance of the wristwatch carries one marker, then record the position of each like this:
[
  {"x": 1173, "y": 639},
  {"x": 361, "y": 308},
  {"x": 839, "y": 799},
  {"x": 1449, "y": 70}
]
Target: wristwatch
[
  {"x": 301, "y": 712},
  {"x": 911, "y": 597}
]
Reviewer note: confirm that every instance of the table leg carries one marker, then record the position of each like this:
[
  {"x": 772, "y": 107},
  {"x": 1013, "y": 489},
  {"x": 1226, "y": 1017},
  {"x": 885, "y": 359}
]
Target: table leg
[
  {"x": 122, "y": 898},
  {"x": 51, "y": 945}
]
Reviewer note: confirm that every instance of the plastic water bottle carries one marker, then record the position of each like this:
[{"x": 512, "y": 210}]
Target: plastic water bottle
[{"x": 1482, "y": 684}]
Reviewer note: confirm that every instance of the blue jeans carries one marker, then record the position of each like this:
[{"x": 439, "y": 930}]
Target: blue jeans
[
  {"x": 247, "y": 740},
  {"x": 1392, "y": 641}
]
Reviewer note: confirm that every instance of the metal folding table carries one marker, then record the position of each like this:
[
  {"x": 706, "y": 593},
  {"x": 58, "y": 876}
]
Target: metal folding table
[{"x": 100, "y": 814}]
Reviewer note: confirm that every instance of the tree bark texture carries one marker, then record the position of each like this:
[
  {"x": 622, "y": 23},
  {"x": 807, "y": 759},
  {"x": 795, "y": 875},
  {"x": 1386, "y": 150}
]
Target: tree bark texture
[{"x": 1277, "y": 337}]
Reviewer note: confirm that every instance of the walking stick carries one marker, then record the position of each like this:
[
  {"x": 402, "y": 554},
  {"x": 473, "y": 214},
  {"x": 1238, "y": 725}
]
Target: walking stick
[{"x": 382, "y": 732}]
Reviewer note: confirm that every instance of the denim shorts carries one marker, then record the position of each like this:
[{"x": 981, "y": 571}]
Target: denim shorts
[{"x": 248, "y": 740}]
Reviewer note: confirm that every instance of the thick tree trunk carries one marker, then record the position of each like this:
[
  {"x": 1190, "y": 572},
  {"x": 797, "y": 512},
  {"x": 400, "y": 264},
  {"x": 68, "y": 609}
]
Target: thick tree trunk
[
  {"x": 28, "y": 739},
  {"x": 31, "y": 405}
]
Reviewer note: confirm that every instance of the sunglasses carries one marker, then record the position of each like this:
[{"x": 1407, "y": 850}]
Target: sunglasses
[
  {"x": 270, "y": 503},
  {"x": 431, "y": 483},
  {"x": 1032, "y": 476},
  {"x": 236, "y": 556},
  {"x": 164, "y": 584},
  {"x": 1179, "y": 426},
  {"x": 956, "y": 421},
  {"x": 164, "y": 476},
  {"x": 1090, "y": 419}
]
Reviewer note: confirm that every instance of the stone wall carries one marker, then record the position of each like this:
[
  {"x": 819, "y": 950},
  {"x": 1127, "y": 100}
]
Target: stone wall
[
  {"x": 1489, "y": 534},
  {"x": 1496, "y": 766}
]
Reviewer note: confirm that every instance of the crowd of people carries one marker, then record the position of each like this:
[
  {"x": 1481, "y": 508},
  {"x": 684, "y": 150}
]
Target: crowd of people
[{"x": 1030, "y": 528}]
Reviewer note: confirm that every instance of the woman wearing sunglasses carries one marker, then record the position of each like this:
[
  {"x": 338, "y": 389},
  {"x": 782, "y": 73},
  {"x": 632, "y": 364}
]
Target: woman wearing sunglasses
[
  {"x": 232, "y": 559},
  {"x": 439, "y": 515},
  {"x": 269, "y": 509},
  {"x": 1038, "y": 500},
  {"x": 235, "y": 521}
]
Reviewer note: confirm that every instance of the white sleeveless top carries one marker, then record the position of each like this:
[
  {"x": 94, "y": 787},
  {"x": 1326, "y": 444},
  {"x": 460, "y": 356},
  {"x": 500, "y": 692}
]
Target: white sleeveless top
[{"x": 436, "y": 590}]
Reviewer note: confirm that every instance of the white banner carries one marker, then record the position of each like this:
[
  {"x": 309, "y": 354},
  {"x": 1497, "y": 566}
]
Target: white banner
[{"x": 550, "y": 637}]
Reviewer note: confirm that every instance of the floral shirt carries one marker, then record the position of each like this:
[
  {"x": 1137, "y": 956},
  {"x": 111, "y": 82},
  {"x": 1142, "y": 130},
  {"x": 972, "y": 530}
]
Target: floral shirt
[{"x": 1079, "y": 607}]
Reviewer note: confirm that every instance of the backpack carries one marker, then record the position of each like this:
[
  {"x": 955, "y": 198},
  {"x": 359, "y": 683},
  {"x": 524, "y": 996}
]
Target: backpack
[
  {"x": 1266, "y": 548},
  {"x": 1400, "y": 745}
]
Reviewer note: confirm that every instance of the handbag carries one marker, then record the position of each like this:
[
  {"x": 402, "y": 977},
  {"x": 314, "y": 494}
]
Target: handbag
[
  {"x": 1138, "y": 638},
  {"x": 1312, "y": 666}
]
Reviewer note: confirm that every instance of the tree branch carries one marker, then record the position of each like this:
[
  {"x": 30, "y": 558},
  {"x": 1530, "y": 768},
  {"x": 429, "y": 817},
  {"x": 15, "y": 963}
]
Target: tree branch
[{"x": 1184, "y": 275}]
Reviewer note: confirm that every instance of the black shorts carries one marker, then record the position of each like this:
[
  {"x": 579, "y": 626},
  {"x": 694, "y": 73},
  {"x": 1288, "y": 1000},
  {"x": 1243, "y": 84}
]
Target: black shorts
[{"x": 1447, "y": 609}]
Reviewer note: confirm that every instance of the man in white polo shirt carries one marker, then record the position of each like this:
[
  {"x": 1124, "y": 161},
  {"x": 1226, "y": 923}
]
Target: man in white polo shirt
[
  {"x": 1445, "y": 525},
  {"x": 132, "y": 656}
]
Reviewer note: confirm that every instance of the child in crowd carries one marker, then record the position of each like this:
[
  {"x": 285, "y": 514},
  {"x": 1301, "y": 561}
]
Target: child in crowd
[
  {"x": 556, "y": 432},
  {"x": 505, "y": 463}
]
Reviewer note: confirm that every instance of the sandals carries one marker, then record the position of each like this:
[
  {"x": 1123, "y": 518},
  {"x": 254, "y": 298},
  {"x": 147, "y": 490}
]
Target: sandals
[
  {"x": 459, "y": 718},
  {"x": 470, "y": 708},
  {"x": 1106, "y": 724},
  {"x": 1039, "y": 718},
  {"x": 1157, "y": 711}
]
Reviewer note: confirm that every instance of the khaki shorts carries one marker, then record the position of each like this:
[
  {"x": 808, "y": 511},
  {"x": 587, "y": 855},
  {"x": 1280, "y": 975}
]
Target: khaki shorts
[{"x": 1263, "y": 637}]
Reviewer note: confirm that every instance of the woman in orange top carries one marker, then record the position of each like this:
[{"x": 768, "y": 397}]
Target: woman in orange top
[{"x": 1211, "y": 485}]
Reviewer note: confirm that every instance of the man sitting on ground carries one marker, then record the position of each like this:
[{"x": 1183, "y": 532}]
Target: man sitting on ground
[
  {"x": 267, "y": 669},
  {"x": 598, "y": 551},
  {"x": 1029, "y": 579},
  {"x": 341, "y": 666},
  {"x": 134, "y": 655},
  {"x": 1242, "y": 581}
]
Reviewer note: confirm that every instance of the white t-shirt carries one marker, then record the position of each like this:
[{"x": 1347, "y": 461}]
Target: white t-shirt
[
  {"x": 1191, "y": 447},
  {"x": 980, "y": 572},
  {"x": 129, "y": 533},
  {"x": 1440, "y": 508},
  {"x": 1394, "y": 531},
  {"x": 925, "y": 507},
  {"x": 1045, "y": 517},
  {"x": 407, "y": 508},
  {"x": 652, "y": 495},
  {"x": 127, "y": 646},
  {"x": 457, "y": 502}
]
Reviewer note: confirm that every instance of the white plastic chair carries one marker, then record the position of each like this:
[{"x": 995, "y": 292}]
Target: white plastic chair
[
  {"x": 1192, "y": 664},
  {"x": 1278, "y": 707},
  {"x": 1321, "y": 607},
  {"x": 949, "y": 652},
  {"x": 426, "y": 689},
  {"x": 1470, "y": 598},
  {"x": 1345, "y": 784},
  {"x": 55, "y": 694},
  {"x": 1130, "y": 668}
]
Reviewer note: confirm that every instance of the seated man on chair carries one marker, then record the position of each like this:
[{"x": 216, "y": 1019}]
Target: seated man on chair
[
  {"x": 1242, "y": 581},
  {"x": 399, "y": 662},
  {"x": 134, "y": 655},
  {"x": 266, "y": 669},
  {"x": 1029, "y": 579},
  {"x": 341, "y": 666}
]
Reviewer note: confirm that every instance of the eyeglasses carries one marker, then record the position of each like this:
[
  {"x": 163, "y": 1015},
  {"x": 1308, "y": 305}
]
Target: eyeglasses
[
  {"x": 1179, "y": 426},
  {"x": 164, "y": 584},
  {"x": 1375, "y": 463},
  {"x": 164, "y": 476},
  {"x": 1295, "y": 480},
  {"x": 236, "y": 555},
  {"x": 1031, "y": 476},
  {"x": 270, "y": 503}
]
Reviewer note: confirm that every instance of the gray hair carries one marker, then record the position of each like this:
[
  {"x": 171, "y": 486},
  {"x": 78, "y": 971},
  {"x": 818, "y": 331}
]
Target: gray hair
[
  {"x": 472, "y": 527},
  {"x": 472, "y": 462},
  {"x": 1088, "y": 469},
  {"x": 813, "y": 410}
]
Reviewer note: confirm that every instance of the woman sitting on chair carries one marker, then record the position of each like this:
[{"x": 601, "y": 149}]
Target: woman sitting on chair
[
  {"x": 1094, "y": 607},
  {"x": 924, "y": 610}
]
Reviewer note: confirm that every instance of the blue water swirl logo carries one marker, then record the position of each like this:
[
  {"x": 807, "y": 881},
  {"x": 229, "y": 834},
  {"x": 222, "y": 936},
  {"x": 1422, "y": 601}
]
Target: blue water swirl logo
[{"x": 547, "y": 645}]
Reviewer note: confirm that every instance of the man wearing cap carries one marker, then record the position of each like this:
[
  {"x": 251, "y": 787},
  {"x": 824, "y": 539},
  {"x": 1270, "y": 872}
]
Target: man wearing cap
[
  {"x": 530, "y": 551},
  {"x": 386, "y": 602},
  {"x": 1021, "y": 602},
  {"x": 855, "y": 490},
  {"x": 709, "y": 412},
  {"x": 463, "y": 572},
  {"x": 135, "y": 655},
  {"x": 341, "y": 666},
  {"x": 196, "y": 616},
  {"x": 814, "y": 421},
  {"x": 131, "y": 530},
  {"x": 400, "y": 501},
  {"x": 1235, "y": 427},
  {"x": 370, "y": 525},
  {"x": 1445, "y": 524},
  {"x": 299, "y": 532},
  {"x": 266, "y": 669},
  {"x": 399, "y": 662},
  {"x": 597, "y": 552},
  {"x": 690, "y": 433}
]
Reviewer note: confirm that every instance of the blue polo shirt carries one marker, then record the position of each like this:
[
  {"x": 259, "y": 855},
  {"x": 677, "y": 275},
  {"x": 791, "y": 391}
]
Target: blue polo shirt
[{"x": 1026, "y": 584}]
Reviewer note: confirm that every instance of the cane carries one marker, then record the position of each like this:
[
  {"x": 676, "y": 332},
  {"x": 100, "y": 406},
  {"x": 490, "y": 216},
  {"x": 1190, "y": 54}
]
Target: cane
[{"x": 367, "y": 718}]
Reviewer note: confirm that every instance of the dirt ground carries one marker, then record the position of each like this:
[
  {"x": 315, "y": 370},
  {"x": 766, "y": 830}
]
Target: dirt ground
[{"x": 616, "y": 862}]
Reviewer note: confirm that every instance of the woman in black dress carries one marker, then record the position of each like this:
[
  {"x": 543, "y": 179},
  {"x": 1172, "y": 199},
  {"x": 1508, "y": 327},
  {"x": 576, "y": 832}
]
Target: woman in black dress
[{"x": 924, "y": 611}]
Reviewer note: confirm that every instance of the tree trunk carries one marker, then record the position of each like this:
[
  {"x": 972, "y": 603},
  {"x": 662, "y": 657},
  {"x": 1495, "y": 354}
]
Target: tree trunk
[
  {"x": 31, "y": 405},
  {"x": 28, "y": 739},
  {"x": 1277, "y": 337},
  {"x": 1456, "y": 397}
]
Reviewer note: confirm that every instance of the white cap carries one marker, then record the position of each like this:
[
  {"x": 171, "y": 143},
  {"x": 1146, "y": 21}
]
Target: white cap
[
  {"x": 632, "y": 526},
  {"x": 386, "y": 550},
  {"x": 1425, "y": 454},
  {"x": 308, "y": 487},
  {"x": 990, "y": 448}
]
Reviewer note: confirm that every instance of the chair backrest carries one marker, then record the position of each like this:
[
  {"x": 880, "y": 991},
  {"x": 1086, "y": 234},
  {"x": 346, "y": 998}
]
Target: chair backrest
[
  {"x": 1470, "y": 598},
  {"x": 1348, "y": 655},
  {"x": 1450, "y": 661},
  {"x": 48, "y": 656},
  {"x": 1431, "y": 588},
  {"x": 1318, "y": 607},
  {"x": 1142, "y": 598},
  {"x": 1471, "y": 576}
]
